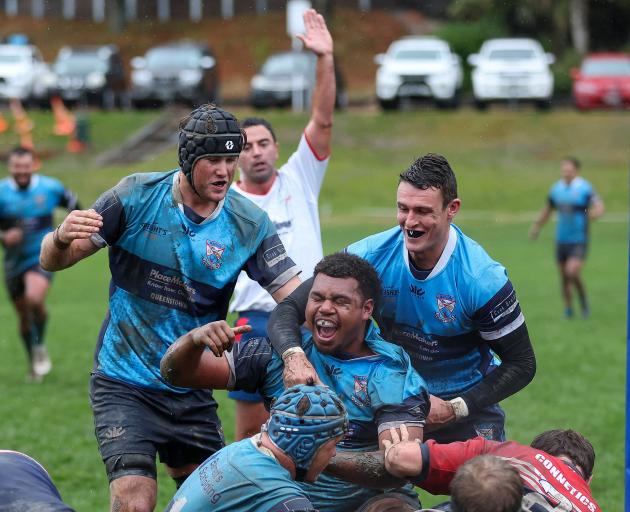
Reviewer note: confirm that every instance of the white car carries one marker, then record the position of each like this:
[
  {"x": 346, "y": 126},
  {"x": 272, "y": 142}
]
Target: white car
[
  {"x": 24, "y": 74},
  {"x": 512, "y": 69},
  {"x": 418, "y": 67}
]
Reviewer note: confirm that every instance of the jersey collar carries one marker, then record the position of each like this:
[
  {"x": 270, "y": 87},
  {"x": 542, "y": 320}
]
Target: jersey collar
[
  {"x": 449, "y": 248},
  {"x": 33, "y": 183},
  {"x": 177, "y": 196}
]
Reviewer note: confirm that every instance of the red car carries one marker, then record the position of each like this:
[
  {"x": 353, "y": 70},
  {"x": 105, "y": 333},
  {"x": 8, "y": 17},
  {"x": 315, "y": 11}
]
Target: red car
[{"x": 603, "y": 80}]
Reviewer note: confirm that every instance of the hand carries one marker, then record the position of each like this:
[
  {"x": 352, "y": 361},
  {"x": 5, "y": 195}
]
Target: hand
[
  {"x": 317, "y": 37},
  {"x": 79, "y": 224},
  {"x": 441, "y": 413},
  {"x": 299, "y": 370},
  {"x": 402, "y": 458},
  {"x": 13, "y": 237},
  {"x": 533, "y": 232},
  {"x": 217, "y": 336}
]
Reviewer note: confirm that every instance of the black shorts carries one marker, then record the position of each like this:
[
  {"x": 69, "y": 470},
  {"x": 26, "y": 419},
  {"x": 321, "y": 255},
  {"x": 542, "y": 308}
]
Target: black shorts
[
  {"x": 567, "y": 251},
  {"x": 183, "y": 428},
  {"x": 15, "y": 285}
]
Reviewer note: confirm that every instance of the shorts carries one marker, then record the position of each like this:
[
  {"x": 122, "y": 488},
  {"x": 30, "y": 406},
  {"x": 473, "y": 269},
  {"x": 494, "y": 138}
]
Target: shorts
[
  {"x": 488, "y": 423},
  {"x": 183, "y": 428},
  {"x": 16, "y": 286},
  {"x": 258, "y": 321},
  {"x": 567, "y": 251}
]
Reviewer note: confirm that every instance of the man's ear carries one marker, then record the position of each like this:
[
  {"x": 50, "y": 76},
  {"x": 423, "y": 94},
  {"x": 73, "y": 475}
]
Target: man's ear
[
  {"x": 368, "y": 309},
  {"x": 452, "y": 208}
]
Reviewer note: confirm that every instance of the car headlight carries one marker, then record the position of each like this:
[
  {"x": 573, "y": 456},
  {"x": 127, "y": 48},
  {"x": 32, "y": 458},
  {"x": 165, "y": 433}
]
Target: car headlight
[
  {"x": 95, "y": 80},
  {"x": 190, "y": 77},
  {"x": 141, "y": 77},
  {"x": 388, "y": 79}
]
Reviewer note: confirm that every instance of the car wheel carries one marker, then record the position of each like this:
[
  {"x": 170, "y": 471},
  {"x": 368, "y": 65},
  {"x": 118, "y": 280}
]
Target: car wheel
[
  {"x": 389, "y": 104},
  {"x": 543, "y": 105},
  {"x": 481, "y": 105}
]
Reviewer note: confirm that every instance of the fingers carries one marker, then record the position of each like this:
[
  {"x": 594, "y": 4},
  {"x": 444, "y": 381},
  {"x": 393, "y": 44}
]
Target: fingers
[
  {"x": 80, "y": 224},
  {"x": 242, "y": 329},
  {"x": 394, "y": 433},
  {"x": 387, "y": 444},
  {"x": 217, "y": 336},
  {"x": 404, "y": 433}
]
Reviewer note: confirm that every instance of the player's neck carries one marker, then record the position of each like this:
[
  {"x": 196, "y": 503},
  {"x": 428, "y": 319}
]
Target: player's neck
[
  {"x": 265, "y": 443},
  {"x": 194, "y": 201},
  {"x": 258, "y": 189}
]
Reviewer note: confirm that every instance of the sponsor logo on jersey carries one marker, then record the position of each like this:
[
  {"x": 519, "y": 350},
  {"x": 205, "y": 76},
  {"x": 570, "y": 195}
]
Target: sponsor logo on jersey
[
  {"x": 416, "y": 290},
  {"x": 332, "y": 371},
  {"x": 505, "y": 307},
  {"x": 391, "y": 292},
  {"x": 153, "y": 230},
  {"x": 486, "y": 431},
  {"x": 214, "y": 255},
  {"x": 187, "y": 231},
  {"x": 446, "y": 308},
  {"x": 360, "y": 397},
  {"x": 282, "y": 225},
  {"x": 275, "y": 255},
  {"x": 40, "y": 199}
]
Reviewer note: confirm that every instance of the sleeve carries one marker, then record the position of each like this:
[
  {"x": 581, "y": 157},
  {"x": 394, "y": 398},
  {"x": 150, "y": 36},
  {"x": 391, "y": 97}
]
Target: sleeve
[
  {"x": 441, "y": 461},
  {"x": 270, "y": 265},
  {"x": 293, "y": 504},
  {"x": 273, "y": 385},
  {"x": 307, "y": 167},
  {"x": 68, "y": 199},
  {"x": 551, "y": 201},
  {"x": 248, "y": 361},
  {"x": 398, "y": 395},
  {"x": 500, "y": 315},
  {"x": 112, "y": 207},
  {"x": 285, "y": 320}
]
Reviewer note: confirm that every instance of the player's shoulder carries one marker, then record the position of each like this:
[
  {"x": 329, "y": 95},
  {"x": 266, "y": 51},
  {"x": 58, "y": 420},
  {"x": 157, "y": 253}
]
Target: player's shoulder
[
  {"x": 472, "y": 259},
  {"x": 583, "y": 184},
  {"x": 49, "y": 182},
  {"x": 243, "y": 209},
  {"x": 377, "y": 244},
  {"x": 391, "y": 354}
]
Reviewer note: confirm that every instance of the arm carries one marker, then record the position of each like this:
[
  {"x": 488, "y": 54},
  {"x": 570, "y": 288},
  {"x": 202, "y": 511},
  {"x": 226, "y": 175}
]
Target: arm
[
  {"x": 11, "y": 237},
  {"x": 286, "y": 289},
  {"x": 542, "y": 218},
  {"x": 318, "y": 39},
  {"x": 596, "y": 208},
  {"x": 363, "y": 468}
]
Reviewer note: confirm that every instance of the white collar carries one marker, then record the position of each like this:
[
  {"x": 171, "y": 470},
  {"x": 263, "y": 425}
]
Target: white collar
[{"x": 33, "y": 183}]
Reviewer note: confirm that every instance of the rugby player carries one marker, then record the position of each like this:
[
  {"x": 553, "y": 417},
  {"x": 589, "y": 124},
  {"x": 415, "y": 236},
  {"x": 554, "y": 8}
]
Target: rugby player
[
  {"x": 445, "y": 301},
  {"x": 555, "y": 470},
  {"x": 374, "y": 379},
  {"x": 289, "y": 195},
  {"x": 577, "y": 203},
  {"x": 27, "y": 203},
  {"x": 259, "y": 473},
  {"x": 177, "y": 242}
]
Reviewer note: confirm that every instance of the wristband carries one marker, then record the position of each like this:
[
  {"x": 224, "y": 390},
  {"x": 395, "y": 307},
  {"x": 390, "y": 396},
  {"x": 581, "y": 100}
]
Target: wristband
[
  {"x": 62, "y": 246},
  {"x": 290, "y": 351},
  {"x": 459, "y": 407}
]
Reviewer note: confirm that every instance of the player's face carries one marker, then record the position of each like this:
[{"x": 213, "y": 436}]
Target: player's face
[
  {"x": 321, "y": 459},
  {"x": 425, "y": 222},
  {"x": 568, "y": 171},
  {"x": 337, "y": 313},
  {"x": 21, "y": 168},
  {"x": 258, "y": 158},
  {"x": 213, "y": 176}
]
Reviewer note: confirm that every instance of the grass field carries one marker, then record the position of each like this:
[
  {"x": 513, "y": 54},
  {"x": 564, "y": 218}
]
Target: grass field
[{"x": 505, "y": 162}]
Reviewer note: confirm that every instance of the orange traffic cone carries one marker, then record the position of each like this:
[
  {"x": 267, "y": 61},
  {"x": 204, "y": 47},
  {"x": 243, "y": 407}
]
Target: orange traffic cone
[
  {"x": 4, "y": 124},
  {"x": 64, "y": 120}
]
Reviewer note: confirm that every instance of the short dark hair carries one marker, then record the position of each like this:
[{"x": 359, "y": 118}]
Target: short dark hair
[
  {"x": 576, "y": 163},
  {"x": 257, "y": 121},
  {"x": 20, "y": 151},
  {"x": 486, "y": 484},
  {"x": 432, "y": 171},
  {"x": 344, "y": 265},
  {"x": 569, "y": 443}
]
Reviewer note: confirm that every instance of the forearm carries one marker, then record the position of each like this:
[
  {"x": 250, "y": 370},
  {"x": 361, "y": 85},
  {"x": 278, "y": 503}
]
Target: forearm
[
  {"x": 363, "y": 468},
  {"x": 180, "y": 363},
  {"x": 325, "y": 92},
  {"x": 53, "y": 258},
  {"x": 285, "y": 320},
  {"x": 517, "y": 369}
]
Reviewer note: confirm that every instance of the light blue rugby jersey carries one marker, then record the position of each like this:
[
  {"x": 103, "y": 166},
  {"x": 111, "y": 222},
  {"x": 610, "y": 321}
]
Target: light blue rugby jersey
[
  {"x": 240, "y": 478},
  {"x": 572, "y": 201},
  {"x": 444, "y": 321},
  {"x": 170, "y": 275},
  {"x": 378, "y": 391},
  {"x": 30, "y": 209}
]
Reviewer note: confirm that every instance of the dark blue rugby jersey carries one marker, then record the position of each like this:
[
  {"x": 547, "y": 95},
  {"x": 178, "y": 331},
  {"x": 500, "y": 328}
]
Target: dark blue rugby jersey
[
  {"x": 170, "y": 274},
  {"x": 30, "y": 209}
]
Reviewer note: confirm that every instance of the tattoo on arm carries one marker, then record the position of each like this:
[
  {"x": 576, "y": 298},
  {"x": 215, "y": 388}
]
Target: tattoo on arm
[{"x": 363, "y": 468}]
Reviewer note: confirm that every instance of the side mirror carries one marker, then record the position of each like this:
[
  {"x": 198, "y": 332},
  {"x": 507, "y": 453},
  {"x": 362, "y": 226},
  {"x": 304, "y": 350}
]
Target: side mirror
[
  {"x": 207, "y": 62},
  {"x": 379, "y": 59},
  {"x": 473, "y": 59},
  {"x": 550, "y": 58},
  {"x": 138, "y": 63}
]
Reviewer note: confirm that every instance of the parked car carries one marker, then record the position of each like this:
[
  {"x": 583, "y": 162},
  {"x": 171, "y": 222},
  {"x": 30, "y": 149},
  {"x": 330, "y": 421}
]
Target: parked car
[
  {"x": 512, "y": 69},
  {"x": 283, "y": 72},
  {"x": 24, "y": 75},
  {"x": 418, "y": 67},
  {"x": 185, "y": 71},
  {"x": 92, "y": 75},
  {"x": 603, "y": 80}
]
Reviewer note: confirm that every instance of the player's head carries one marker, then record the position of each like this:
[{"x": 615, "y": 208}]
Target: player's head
[
  {"x": 21, "y": 163},
  {"x": 427, "y": 203},
  {"x": 260, "y": 154},
  {"x": 569, "y": 168},
  {"x": 568, "y": 444},
  {"x": 345, "y": 291},
  {"x": 306, "y": 422},
  {"x": 486, "y": 484},
  {"x": 210, "y": 141}
]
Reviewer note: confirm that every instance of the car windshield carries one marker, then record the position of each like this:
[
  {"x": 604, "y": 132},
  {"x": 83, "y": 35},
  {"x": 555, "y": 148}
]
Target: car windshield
[
  {"x": 80, "y": 64},
  {"x": 12, "y": 58},
  {"x": 606, "y": 67},
  {"x": 512, "y": 54},
  {"x": 173, "y": 58},
  {"x": 285, "y": 65},
  {"x": 417, "y": 55}
]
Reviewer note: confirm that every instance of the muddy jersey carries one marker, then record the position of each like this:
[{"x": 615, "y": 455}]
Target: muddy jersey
[
  {"x": 30, "y": 209},
  {"x": 572, "y": 202},
  {"x": 171, "y": 274},
  {"x": 444, "y": 320}
]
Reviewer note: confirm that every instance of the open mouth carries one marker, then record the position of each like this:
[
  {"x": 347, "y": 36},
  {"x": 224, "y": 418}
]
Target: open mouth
[
  {"x": 326, "y": 329},
  {"x": 414, "y": 233},
  {"x": 219, "y": 184}
]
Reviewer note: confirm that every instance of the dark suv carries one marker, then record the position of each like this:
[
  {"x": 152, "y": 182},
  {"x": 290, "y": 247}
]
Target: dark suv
[
  {"x": 92, "y": 75},
  {"x": 175, "y": 72}
]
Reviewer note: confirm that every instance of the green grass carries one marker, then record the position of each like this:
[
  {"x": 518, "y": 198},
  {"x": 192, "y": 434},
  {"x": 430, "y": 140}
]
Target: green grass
[{"x": 505, "y": 162}]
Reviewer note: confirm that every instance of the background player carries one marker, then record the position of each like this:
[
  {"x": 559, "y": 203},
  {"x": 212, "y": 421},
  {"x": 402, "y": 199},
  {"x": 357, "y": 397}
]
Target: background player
[
  {"x": 27, "y": 203},
  {"x": 177, "y": 242},
  {"x": 577, "y": 203},
  {"x": 258, "y": 473},
  {"x": 290, "y": 196}
]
